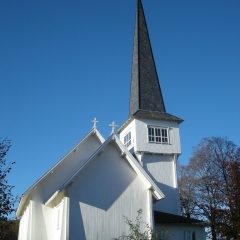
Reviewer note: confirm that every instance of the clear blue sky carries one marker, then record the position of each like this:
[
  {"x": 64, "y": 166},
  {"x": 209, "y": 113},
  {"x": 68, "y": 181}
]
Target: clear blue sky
[{"x": 65, "y": 62}]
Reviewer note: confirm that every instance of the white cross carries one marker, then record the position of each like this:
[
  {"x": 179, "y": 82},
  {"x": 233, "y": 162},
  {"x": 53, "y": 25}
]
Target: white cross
[
  {"x": 113, "y": 126},
  {"x": 94, "y": 123}
]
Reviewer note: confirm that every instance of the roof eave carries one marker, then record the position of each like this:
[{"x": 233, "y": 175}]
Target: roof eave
[
  {"x": 136, "y": 116},
  {"x": 29, "y": 190},
  {"x": 157, "y": 193}
]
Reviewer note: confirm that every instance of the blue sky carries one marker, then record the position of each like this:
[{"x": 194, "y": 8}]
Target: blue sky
[{"x": 65, "y": 62}]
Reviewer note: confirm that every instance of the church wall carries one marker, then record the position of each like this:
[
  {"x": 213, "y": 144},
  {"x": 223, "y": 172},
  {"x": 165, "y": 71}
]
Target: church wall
[
  {"x": 42, "y": 216},
  {"x": 179, "y": 231},
  {"x": 25, "y": 227},
  {"x": 161, "y": 168},
  {"x": 142, "y": 143},
  {"x": 60, "y": 210},
  {"x": 102, "y": 193}
]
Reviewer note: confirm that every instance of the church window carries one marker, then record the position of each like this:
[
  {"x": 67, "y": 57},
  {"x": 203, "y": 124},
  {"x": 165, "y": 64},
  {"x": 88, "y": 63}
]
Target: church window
[
  {"x": 188, "y": 235},
  {"x": 127, "y": 139},
  {"x": 58, "y": 216},
  {"x": 158, "y": 134}
]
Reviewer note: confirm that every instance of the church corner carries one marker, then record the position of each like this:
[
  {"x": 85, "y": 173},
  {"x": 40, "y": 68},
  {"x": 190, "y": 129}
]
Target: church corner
[{"x": 87, "y": 192}]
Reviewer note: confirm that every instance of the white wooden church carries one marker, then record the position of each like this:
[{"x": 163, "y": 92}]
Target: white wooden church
[{"x": 87, "y": 192}]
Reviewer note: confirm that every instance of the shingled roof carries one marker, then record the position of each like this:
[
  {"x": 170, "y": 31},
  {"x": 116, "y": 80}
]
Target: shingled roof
[
  {"x": 167, "y": 218},
  {"x": 145, "y": 89},
  {"x": 146, "y": 100}
]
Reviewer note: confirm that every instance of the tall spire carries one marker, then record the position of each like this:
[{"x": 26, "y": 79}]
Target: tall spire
[{"x": 145, "y": 89}]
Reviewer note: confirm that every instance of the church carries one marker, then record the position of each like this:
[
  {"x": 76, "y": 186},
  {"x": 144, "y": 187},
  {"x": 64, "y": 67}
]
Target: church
[{"x": 88, "y": 191}]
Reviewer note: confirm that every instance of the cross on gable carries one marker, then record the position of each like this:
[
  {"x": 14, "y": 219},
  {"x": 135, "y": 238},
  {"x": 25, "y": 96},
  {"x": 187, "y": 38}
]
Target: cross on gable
[
  {"x": 94, "y": 123},
  {"x": 113, "y": 125}
]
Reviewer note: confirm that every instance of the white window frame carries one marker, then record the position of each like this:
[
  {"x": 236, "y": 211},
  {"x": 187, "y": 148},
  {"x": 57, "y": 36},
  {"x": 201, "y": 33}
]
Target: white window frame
[
  {"x": 158, "y": 134},
  {"x": 58, "y": 216},
  {"x": 127, "y": 139}
]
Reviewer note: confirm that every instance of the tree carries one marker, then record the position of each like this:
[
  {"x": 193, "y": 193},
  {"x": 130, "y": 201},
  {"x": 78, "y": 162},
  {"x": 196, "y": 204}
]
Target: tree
[
  {"x": 136, "y": 232},
  {"x": 207, "y": 186},
  {"x": 186, "y": 192},
  {"x": 229, "y": 216},
  {"x": 11, "y": 230},
  {"x": 7, "y": 200}
]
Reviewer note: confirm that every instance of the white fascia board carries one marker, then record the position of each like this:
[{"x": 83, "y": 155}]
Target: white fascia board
[
  {"x": 51, "y": 198},
  {"x": 21, "y": 205},
  {"x": 26, "y": 193},
  {"x": 71, "y": 179},
  {"x": 101, "y": 148},
  {"x": 158, "y": 194},
  {"x": 99, "y": 135}
]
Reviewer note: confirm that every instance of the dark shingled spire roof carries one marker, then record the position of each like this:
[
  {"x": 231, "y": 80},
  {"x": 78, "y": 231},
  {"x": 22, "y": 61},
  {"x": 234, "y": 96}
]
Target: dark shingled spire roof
[
  {"x": 146, "y": 99},
  {"x": 145, "y": 89},
  {"x": 146, "y": 96}
]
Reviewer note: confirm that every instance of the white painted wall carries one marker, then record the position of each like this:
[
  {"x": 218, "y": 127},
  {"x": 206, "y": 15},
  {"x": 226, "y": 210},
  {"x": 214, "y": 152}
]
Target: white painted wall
[
  {"x": 158, "y": 159},
  {"x": 25, "y": 223},
  {"x": 139, "y": 129},
  {"x": 60, "y": 209},
  {"x": 42, "y": 216},
  {"x": 176, "y": 230},
  {"x": 142, "y": 143},
  {"x": 102, "y": 193},
  {"x": 162, "y": 170}
]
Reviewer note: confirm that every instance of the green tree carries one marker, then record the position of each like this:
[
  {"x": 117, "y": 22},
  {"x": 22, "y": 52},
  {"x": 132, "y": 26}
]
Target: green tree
[
  {"x": 136, "y": 232},
  {"x": 7, "y": 200}
]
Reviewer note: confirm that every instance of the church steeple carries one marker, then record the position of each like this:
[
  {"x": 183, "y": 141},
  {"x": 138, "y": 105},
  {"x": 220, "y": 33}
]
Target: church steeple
[
  {"x": 146, "y": 100},
  {"x": 150, "y": 133},
  {"x": 145, "y": 89}
]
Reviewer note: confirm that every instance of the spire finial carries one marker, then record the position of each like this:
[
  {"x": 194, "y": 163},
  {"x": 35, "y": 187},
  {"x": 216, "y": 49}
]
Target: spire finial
[
  {"x": 113, "y": 125},
  {"x": 94, "y": 123}
]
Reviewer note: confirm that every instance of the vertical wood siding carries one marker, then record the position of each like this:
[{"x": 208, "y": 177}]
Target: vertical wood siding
[
  {"x": 142, "y": 143},
  {"x": 101, "y": 194},
  {"x": 42, "y": 216},
  {"x": 162, "y": 170},
  {"x": 25, "y": 224}
]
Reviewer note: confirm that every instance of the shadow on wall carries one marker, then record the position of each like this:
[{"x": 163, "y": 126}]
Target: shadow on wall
[
  {"x": 104, "y": 180},
  {"x": 170, "y": 203},
  {"x": 97, "y": 188}
]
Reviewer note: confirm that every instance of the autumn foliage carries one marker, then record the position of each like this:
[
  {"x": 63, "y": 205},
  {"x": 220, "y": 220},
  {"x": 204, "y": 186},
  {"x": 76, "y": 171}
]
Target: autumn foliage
[{"x": 209, "y": 187}]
